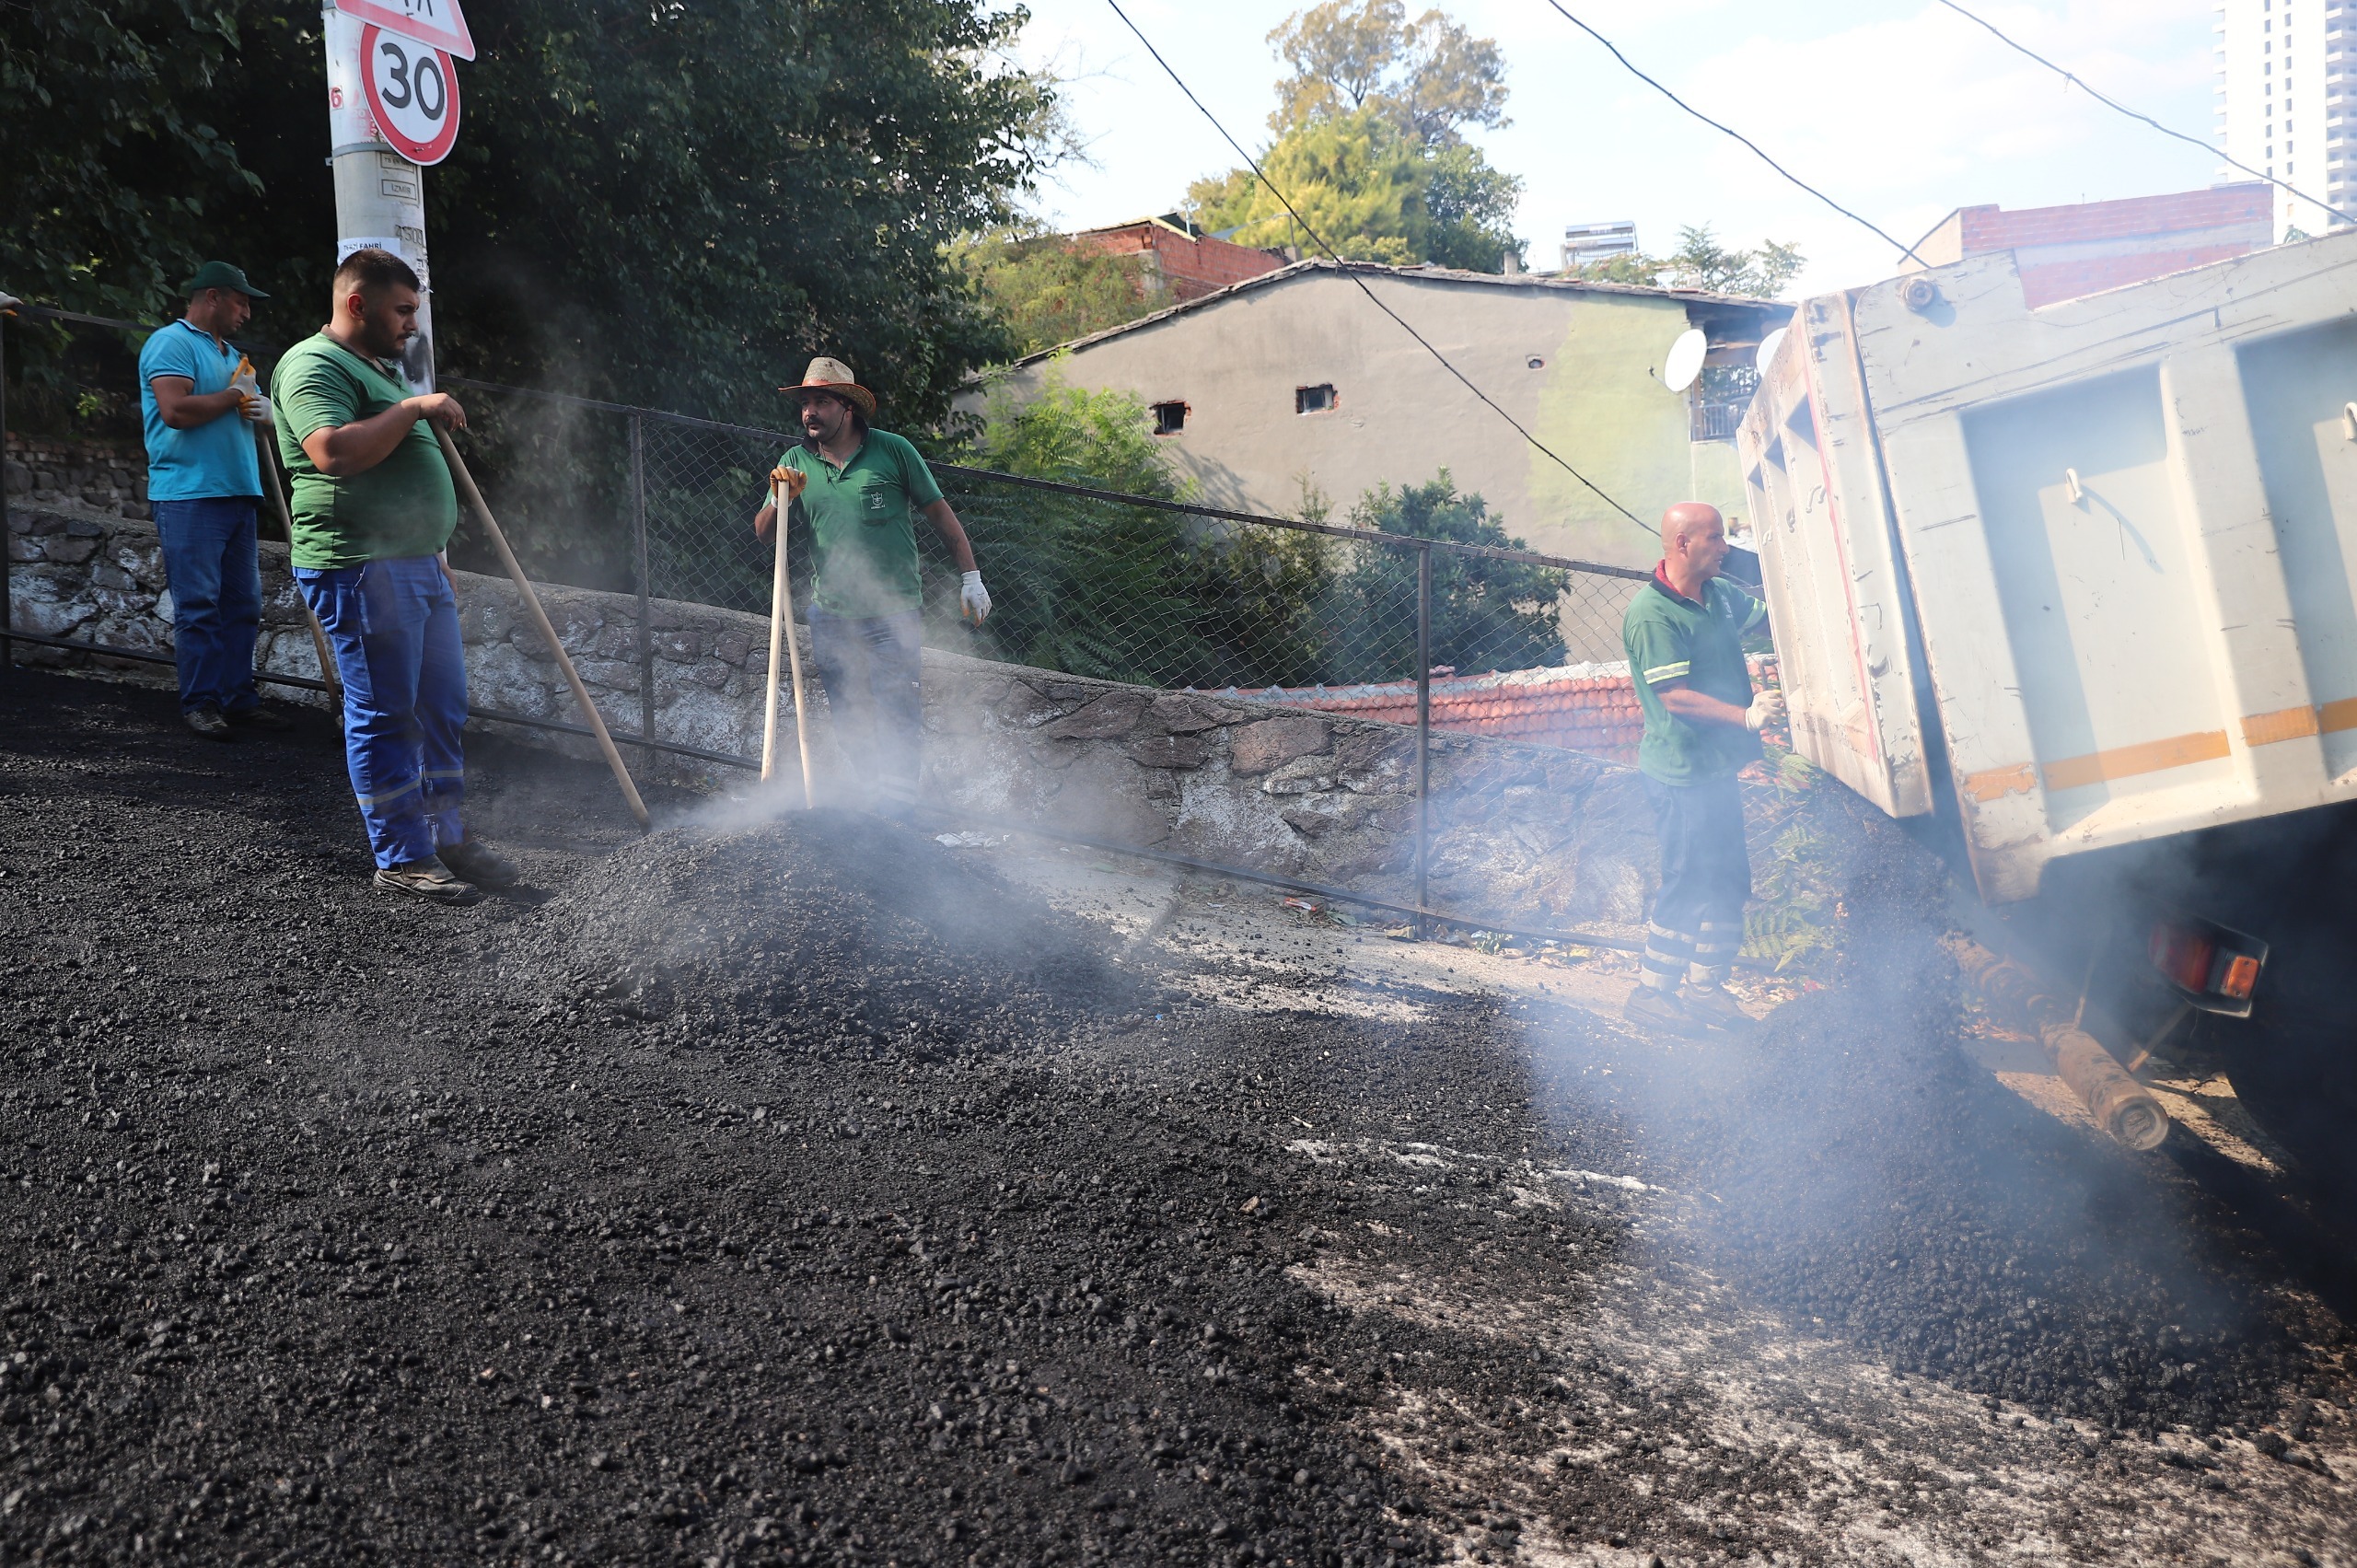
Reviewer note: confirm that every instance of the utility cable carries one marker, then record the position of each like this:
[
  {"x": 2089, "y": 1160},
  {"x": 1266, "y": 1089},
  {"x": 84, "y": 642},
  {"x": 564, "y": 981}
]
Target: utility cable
[
  {"x": 2112, "y": 103},
  {"x": 1899, "y": 245},
  {"x": 1348, "y": 271}
]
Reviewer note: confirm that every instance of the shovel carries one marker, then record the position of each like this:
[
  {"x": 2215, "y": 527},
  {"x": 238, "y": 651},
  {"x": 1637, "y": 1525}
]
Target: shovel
[
  {"x": 286, "y": 521},
  {"x": 474, "y": 497},
  {"x": 782, "y": 630}
]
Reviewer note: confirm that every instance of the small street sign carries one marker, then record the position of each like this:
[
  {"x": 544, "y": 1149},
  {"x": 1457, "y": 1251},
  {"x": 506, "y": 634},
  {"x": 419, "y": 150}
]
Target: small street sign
[
  {"x": 413, "y": 94},
  {"x": 438, "y": 24}
]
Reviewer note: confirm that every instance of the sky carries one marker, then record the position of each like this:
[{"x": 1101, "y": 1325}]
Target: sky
[{"x": 1899, "y": 110}]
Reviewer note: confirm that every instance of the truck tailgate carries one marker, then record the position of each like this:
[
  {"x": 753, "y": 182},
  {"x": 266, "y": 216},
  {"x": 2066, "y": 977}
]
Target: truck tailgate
[{"x": 2131, "y": 524}]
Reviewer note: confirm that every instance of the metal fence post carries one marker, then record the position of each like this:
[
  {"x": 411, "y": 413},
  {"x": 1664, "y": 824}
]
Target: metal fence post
[
  {"x": 1424, "y": 725},
  {"x": 638, "y": 546}
]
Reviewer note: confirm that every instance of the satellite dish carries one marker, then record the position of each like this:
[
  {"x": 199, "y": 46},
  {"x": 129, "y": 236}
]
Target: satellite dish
[
  {"x": 1767, "y": 346},
  {"x": 1685, "y": 361}
]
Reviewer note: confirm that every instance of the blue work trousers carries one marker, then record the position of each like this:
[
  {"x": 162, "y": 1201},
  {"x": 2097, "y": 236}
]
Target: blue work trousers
[
  {"x": 209, "y": 560},
  {"x": 394, "y": 627},
  {"x": 872, "y": 667}
]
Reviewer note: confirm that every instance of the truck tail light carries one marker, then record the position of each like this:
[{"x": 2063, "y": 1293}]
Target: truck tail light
[
  {"x": 2213, "y": 967},
  {"x": 2184, "y": 955}
]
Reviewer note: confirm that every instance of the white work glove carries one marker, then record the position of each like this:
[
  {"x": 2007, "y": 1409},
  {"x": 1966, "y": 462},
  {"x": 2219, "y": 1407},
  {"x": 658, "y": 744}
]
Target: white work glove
[
  {"x": 247, "y": 384},
  {"x": 973, "y": 599},
  {"x": 1767, "y": 708}
]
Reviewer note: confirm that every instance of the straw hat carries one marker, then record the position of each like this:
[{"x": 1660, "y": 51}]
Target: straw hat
[{"x": 833, "y": 376}]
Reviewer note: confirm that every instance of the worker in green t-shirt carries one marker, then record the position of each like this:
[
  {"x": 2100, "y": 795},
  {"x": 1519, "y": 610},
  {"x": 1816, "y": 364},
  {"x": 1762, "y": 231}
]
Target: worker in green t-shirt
[
  {"x": 373, "y": 507},
  {"x": 1684, "y": 637},
  {"x": 863, "y": 489}
]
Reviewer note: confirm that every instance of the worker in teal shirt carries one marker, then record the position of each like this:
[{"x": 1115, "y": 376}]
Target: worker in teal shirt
[
  {"x": 862, "y": 490},
  {"x": 201, "y": 405}
]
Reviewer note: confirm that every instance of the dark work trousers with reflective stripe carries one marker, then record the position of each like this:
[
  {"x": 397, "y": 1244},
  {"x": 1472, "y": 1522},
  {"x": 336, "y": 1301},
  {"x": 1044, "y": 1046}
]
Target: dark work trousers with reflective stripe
[
  {"x": 873, "y": 669},
  {"x": 1705, "y": 878},
  {"x": 394, "y": 628}
]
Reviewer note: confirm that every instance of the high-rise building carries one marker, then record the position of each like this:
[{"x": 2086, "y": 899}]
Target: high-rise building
[
  {"x": 2288, "y": 83},
  {"x": 1584, "y": 243}
]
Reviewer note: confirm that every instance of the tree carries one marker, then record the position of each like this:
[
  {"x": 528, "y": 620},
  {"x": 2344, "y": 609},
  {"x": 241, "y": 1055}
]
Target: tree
[
  {"x": 1048, "y": 289},
  {"x": 1700, "y": 261},
  {"x": 1487, "y": 615},
  {"x": 1430, "y": 76},
  {"x": 1369, "y": 145},
  {"x": 665, "y": 205}
]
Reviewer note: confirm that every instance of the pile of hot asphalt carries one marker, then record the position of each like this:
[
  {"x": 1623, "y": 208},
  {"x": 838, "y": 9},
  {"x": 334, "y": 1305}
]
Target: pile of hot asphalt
[{"x": 803, "y": 1192}]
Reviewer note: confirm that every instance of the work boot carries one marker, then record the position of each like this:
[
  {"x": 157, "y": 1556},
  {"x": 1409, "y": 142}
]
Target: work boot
[
  {"x": 1717, "y": 1006},
  {"x": 258, "y": 718},
  {"x": 480, "y": 863},
  {"x": 427, "y": 879},
  {"x": 206, "y": 720},
  {"x": 1660, "y": 1012}
]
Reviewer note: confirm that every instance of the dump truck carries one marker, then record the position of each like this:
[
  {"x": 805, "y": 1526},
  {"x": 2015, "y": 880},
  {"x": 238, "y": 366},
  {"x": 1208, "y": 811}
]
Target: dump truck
[{"x": 2072, "y": 591}]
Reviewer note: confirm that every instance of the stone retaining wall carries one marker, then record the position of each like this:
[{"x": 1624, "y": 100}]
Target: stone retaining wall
[
  {"x": 108, "y": 476},
  {"x": 1519, "y": 831}
]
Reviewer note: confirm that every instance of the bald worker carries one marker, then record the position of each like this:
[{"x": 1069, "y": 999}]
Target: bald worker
[{"x": 1684, "y": 636}]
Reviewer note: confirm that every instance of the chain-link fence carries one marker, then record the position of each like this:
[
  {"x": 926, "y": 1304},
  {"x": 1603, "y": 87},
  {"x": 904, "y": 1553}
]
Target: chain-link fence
[{"x": 1432, "y": 633}]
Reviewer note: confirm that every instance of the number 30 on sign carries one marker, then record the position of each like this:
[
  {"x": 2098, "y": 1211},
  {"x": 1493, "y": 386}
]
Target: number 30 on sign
[{"x": 412, "y": 92}]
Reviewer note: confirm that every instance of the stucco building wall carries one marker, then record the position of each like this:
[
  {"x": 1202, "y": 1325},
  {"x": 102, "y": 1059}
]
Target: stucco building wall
[{"x": 1578, "y": 364}]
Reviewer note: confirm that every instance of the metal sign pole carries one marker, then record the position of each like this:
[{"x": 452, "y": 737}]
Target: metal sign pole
[
  {"x": 380, "y": 195},
  {"x": 1423, "y": 724}
]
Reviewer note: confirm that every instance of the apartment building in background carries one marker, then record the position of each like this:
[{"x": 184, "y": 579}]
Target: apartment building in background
[
  {"x": 1587, "y": 242},
  {"x": 2287, "y": 80}
]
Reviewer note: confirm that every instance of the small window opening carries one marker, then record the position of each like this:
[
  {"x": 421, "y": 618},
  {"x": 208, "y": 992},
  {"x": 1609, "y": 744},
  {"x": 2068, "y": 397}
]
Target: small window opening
[
  {"x": 1312, "y": 399},
  {"x": 1170, "y": 419}
]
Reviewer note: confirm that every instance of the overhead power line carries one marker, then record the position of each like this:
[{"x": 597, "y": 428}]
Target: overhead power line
[
  {"x": 1897, "y": 244},
  {"x": 2112, "y": 103},
  {"x": 1348, "y": 271}
]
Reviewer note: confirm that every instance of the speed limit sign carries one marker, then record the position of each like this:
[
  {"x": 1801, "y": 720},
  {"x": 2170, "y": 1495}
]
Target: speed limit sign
[{"x": 413, "y": 94}]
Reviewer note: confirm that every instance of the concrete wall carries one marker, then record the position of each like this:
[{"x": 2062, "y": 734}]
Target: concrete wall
[
  {"x": 1578, "y": 365},
  {"x": 1527, "y": 832}
]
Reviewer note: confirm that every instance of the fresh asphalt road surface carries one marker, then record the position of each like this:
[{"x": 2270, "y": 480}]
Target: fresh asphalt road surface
[{"x": 809, "y": 1191}]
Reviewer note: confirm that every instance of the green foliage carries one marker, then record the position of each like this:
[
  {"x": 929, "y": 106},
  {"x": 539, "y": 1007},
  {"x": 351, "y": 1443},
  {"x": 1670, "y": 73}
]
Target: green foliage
[
  {"x": 1700, "y": 261},
  {"x": 1430, "y": 76},
  {"x": 1368, "y": 143},
  {"x": 1085, "y": 587},
  {"x": 666, "y": 204},
  {"x": 1047, "y": 289},
  {"x": 669, "y": 206},
  {"x": 1793, "y": 921},
  {"x": 1487, "y": 615}
]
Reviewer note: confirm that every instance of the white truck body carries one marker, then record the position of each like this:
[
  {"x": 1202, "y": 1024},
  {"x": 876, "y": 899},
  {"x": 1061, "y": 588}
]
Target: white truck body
[{"x": 2096, "y": 563}]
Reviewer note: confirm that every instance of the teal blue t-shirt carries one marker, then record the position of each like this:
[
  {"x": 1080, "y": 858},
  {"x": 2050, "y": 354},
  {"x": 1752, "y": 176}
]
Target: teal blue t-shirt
[{"x": 216, "y": 458}]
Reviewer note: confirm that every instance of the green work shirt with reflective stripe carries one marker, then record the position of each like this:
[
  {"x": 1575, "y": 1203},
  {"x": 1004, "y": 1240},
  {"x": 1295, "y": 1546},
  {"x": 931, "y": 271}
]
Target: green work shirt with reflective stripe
[
  {"x": 1670, "y": 637},
  {"x": 863, "y": 527},
  {"x": 404, "y": 505}
]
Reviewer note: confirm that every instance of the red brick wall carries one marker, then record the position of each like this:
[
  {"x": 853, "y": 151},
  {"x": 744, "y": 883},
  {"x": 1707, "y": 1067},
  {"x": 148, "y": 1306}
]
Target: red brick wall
[
  {"x": 1192, "y": 267},
  {"x": 2069, "y": 280},
  {"x": 1993, "y": 229}
]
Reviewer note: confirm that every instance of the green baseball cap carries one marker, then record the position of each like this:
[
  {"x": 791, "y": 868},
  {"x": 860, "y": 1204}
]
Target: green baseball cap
[{"x": 220, "y": 274}]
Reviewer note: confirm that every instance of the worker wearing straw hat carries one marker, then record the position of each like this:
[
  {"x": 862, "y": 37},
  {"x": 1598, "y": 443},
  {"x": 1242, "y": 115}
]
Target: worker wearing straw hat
[{"x": 864, "y": 489}]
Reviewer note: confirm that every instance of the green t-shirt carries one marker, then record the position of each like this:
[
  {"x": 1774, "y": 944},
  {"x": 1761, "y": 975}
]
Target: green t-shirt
[
  {"x": 862, "y": 524},
  {"x": 1669, "y": 637},
  {"x": 405, "y": 505}
]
